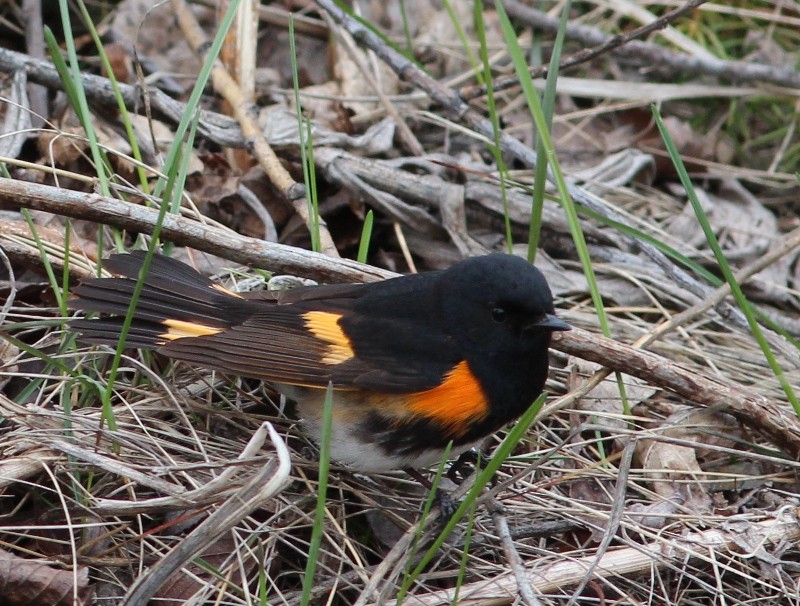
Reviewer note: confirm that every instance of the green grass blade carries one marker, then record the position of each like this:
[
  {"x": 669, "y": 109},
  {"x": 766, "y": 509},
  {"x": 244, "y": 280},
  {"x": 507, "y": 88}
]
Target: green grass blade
[
  {"x": 60, "y": 295},
  {"x": 366, "y": 236},
  {"x": 61, "y": 66},
  {"x": 462, "y": 36},
  {"x": 724, "y": 266},
  {"x": 406, "y": 28},
  {"x": 494, "y": 117},
  {"x": 548, "y": 106},
  {"x": 124, "y": 115},
  {"x": 462, "y": 567},
  {"x": 306, "y": 149},
  {"x": 319, "y": 512},
  {"x": 82, "y": 108}
]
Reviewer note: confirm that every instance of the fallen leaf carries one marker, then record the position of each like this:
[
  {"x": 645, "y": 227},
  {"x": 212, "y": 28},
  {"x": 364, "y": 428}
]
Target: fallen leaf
[{"x": 26, "y": 582}]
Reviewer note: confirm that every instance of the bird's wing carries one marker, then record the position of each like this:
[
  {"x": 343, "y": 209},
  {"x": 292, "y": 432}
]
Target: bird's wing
[{"x": 310, "y": 345}]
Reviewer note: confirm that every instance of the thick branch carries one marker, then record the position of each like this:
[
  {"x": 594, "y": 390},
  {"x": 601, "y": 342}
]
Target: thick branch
[{"x": 181, "y": 230}]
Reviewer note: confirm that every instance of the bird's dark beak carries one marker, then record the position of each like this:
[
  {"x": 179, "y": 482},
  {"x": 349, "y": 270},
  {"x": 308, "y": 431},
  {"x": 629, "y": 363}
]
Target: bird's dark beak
[{"x": 549, "y": 322}]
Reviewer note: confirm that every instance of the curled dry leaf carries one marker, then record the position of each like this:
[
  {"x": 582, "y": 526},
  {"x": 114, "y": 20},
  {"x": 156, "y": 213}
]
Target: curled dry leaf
[
  {"x": 279, "y": 126},
  {"x": 680, "y": 468},
  {"x": 746, "y": 229},
  {"x": 63, "y": 147},
  {"x": 16, "y": 120},
  {"x": 28, "y": 583},
  {"x": 8, "y": 356}
]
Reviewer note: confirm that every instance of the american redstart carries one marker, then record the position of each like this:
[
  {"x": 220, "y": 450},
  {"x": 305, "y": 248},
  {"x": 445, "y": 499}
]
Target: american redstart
[{"x": 415, "y": 361}]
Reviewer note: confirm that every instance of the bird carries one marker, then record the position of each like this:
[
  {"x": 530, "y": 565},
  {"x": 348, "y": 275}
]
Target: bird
[{"x": 416, "y": 363}]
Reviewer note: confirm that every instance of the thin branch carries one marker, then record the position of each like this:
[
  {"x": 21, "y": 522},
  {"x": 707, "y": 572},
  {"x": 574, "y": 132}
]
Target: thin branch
[
  {"x": 610, "y": 43},
  {"x": 513, "y": 559},
  {"x": 643, "y": 53},
  {"x": 212, "y": 126},
  {"x": 780, "y": 425}
]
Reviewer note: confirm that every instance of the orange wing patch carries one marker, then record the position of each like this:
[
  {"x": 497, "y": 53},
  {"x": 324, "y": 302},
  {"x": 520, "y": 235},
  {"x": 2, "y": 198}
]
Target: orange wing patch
[
  {"x": 178, "y": 329},
  {"x": 456, "y": 403},
  {"x": 325, "y": 327}
]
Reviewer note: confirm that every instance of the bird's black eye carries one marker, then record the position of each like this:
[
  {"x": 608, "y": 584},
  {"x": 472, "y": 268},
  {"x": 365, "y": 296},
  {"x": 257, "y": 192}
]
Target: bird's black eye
[{"x": 499, "y": 314}]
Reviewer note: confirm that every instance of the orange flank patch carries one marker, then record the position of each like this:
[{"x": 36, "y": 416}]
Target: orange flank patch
[
  {"x": 456, "y": 403},
  {"x": 178, "y": 329},
  {"x": 325, "y": 327}
]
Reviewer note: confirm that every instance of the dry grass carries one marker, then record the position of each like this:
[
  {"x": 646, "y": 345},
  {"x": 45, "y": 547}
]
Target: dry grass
[
  {"x": 113, "y": 499},
  {"x": 669, "y": 504}
]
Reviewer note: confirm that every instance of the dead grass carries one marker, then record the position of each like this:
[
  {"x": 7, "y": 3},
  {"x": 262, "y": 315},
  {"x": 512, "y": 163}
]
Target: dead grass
[{"x": 670, "y": 504}]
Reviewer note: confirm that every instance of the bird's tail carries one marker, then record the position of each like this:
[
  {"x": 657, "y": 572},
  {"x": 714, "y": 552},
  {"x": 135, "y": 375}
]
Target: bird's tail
[{"x": 175, "y": 301}]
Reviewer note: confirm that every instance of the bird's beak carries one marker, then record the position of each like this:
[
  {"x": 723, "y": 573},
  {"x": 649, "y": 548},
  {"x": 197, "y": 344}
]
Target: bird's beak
[{"x": 549, "y": 322}]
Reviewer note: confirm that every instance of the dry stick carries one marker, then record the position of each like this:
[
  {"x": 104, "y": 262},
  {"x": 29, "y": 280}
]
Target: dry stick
[
  {"x": 777, "y": 423},
  {"x": 787, "y": 428},
  {"x": 789, "y": 243},
  {"x": 454, "y": 105},
  {"x": 256, "y": 142},
  {"x": 223, "y": 130},
  {"x": 652, "y": 55},
  {"x": 514, "y": 560},
  {"x": 238, "y": 57},
  {"x": 187, "y": 232},
  {"x": 783, "y": 527},
  {"x": 609, "y": 44},
  {"x": 34, "y": 41},
  {"x": 743, "y": 407}
]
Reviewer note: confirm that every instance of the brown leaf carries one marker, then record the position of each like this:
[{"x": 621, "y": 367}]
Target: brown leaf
[
  {"x": 679, "y": 467},
  {"x": 26, "y": 582},
  {"x": 8, "y": 356}
]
